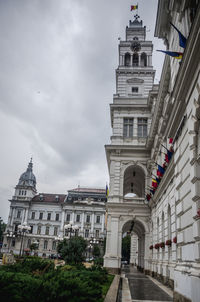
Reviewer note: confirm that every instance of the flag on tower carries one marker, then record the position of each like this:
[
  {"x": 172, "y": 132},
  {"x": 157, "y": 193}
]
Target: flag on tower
[
  {"x": 107, "y": 190},
  {"x": 174, "y": 54},
  {"x": 182, "y": 39},
  {"x": 134, "y": 7}
]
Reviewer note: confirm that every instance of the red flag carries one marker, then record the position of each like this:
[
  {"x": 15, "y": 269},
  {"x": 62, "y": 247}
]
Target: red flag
[{"x": 170, "y": 140}]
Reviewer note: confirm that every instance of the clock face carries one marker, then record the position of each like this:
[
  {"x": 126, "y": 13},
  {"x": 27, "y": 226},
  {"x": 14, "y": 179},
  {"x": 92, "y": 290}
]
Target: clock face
[{"x": 135, "y": 46}]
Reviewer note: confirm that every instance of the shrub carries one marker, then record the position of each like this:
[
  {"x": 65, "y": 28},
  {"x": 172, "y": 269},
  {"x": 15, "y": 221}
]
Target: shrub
[{"x": 162, "y": 245}]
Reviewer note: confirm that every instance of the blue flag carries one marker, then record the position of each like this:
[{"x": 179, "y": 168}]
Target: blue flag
[{"x": 182, "y": 39}]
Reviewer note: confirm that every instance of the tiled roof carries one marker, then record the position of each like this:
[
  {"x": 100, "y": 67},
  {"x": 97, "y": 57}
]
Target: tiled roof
[
  {"x": 46, "y": 197},
  {"x": 88, "y": 190}
]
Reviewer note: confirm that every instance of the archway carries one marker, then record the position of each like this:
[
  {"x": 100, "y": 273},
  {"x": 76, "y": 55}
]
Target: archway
[
  {"x": 134, "y": 181},
  {"x": 136, "y": 230}
]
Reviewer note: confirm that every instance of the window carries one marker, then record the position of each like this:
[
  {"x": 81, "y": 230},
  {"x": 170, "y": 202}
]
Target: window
[
  {"x": 55, "y": 231},
  {"x": 127, "y": 59},
  {"x": 41, "y": 216},
  {"x": 88, "y": 218},
  {"x": 142, "y": 127},
  {"x": 76, "y": 233},
  {"x": 18, "y": 214},
  {"x": 135, "y": 38},
  {"x": 78, "y": 218},
  {"x": 41, "y": 197},
  {"x": 143, "y": 59},
  {"x": 13, "y": 243},
  {"x": 97, "y": 234},
  {"x": 24, "y": 192},
  {"x": 57, "y": 217},
  {"x": 86, "y": 233},
  {"x": 128, "y": 127},
  {"x": 54, "y": 245},
  {"x": 68, "y": 217},
  {"x": 31, "y": 230},
  {"x": 134, "y": 89},
  {"x": 98, "y": 219},
  {"x": 39, "y": 229},
  {"x": 49, "y": 216},
  {"x": 33, "y": 215},
  {"x": 45, "y": 244},
  {"x": 19, "y": 192},
  {"x": 47, "y": 231},
  {"x": 135, "y": 59}
]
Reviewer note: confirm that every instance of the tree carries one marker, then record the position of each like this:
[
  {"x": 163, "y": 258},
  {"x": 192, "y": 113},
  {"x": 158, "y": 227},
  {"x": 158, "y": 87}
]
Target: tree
[
  {"x": 2, "y": 229},
  {"x": 126, "y": 245},
  {"x": 96, "y": 251},
  {"x": 73, "y": 250},
  {"x": 34, "y": 247}
]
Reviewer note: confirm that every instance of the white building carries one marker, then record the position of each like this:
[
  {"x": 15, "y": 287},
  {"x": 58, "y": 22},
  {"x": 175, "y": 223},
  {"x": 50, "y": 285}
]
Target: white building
[
  {"x": 144, "y": 116},
  {"x": 48, "y": 214}
]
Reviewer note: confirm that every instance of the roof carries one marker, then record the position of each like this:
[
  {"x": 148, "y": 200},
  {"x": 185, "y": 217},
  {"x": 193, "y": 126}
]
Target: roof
[
  {"x": 46, "y": 197},
  {"x": 89, "y": 190}
]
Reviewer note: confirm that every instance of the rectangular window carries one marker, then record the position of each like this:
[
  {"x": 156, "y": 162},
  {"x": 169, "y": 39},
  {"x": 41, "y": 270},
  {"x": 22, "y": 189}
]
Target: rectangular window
[
  {"x": 78, "y": 217},
  {"x": 55, "y": 231},
  {"x": 134, "y": 89},
  {"x": 142, "y": 127},
  {"x": 57, "y": 217},
  {"x": 41, "y": 216},
  {"x": 39, "y": 230},
  {"x": 68, "y": 217},
  {"x": 86, "y": 233},
  {"x": 31, "y": 230},
  {"x": 18, "y": 214},
  {"x": 97, "y": 234},
  {"x": 54, "y": 245},
  {"x": 128, "y": 127},
  {"x": 13, "y": 243},
  {"x": 45, "y": 244},
  {"x": 33, "y": 215},
  {"x": 88, "y": 218},
  {"x": 49, "y": 216},
  {"x": 47, "y": 231},
  {"x": 98, "y": 219}
]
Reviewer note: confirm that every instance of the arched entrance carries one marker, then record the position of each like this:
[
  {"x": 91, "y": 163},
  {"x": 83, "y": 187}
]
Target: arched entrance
[{"x": 137, "y": 232}]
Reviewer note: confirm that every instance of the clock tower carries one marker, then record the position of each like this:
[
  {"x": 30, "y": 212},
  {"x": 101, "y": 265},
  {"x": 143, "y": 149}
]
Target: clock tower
[{"x": 128, "y": 155}]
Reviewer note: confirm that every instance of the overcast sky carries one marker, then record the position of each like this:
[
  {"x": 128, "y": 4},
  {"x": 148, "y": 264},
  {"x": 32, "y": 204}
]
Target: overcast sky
[{"x": 57, "y": 78}]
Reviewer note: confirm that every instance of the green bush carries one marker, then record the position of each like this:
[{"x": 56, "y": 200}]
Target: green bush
[{"x": 65, "y": 284}]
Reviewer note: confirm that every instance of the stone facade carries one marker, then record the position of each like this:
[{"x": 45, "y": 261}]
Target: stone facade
[
  {"x": 47, "y": 214},
  {"x": 171, "y": 218}
]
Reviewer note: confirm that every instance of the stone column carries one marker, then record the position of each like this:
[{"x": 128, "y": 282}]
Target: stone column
[
  {"x": 146, "y": 251},
  {"x": 73, "y": 214},
  {"x": 26, "y": 216},
  {"x": 150, "y": 60},
  {"x": 102, "y": 223},
  {"x": 82, "y": 221},
  {"x": 92, "y": 225},
  {"x": 62, "y": 222},
  {"x": 12, "y": 217}
]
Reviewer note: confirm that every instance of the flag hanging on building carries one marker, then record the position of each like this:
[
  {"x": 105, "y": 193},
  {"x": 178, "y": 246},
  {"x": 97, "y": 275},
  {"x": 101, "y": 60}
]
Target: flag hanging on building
[
  {"x": 170, "y": 140},
  {"x": 160, "y": 171},
  {"x": 134, "y": 7},
  {"x": 154, "y": 183},
  {"x": 182, "y": 39},
  {"x": 148, "y": 197},
  {"x": 174, "y": 54}
]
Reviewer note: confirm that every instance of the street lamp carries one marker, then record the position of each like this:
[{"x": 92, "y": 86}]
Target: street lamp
[
  {"x": 10, "y": 235},
  {"x": 58, "y": 239},
  {"x": 23, "y": 229},
  {"x": 71, "y": 228}
]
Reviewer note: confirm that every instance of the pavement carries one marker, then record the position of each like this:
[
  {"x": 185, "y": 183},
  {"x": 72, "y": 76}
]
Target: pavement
[{"x": 137, "y": 287}]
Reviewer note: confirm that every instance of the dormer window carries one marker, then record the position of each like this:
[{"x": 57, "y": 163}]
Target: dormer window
[
  {"x": 41, "y": 197},
  {"x": 134, "y": 89},
  {"x": 57, "y": 198}
]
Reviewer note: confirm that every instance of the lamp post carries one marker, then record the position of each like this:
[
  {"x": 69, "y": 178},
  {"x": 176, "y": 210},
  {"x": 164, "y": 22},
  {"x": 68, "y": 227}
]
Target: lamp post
[
  {"x": 71, "y": 228},
  {"x": 10, "y": 235},
  {"x": 93, "y": 241},
  {"x": 58, "y": 239},
  {"x": 23, "y": 229}
]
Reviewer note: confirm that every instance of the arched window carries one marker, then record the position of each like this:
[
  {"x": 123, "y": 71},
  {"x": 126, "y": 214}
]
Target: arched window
[
  {"x": 135, "y": 59},
  {"x": 134, "y": 182},
  {"x": 169, "y": 223},
  {"x": 127, "y": 59},
  {"x": 163, "y": 228},
  {"x": 143, "y": 59},
  {"x": 54, "y": 245}
]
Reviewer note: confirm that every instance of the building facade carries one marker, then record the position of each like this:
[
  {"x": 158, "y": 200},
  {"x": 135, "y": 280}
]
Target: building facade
[
  {"x": 142, "y": 160},
  {"x": 47, "y": 215}
]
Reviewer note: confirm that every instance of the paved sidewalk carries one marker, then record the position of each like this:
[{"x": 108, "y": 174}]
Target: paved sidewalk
[{"x": 137, "y": 287}]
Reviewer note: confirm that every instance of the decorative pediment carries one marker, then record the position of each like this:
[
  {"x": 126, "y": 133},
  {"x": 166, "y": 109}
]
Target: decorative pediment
[{"x": 135, "y": 81}]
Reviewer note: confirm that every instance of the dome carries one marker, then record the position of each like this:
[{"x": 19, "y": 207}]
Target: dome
[{"x": 28, "y": 178}]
